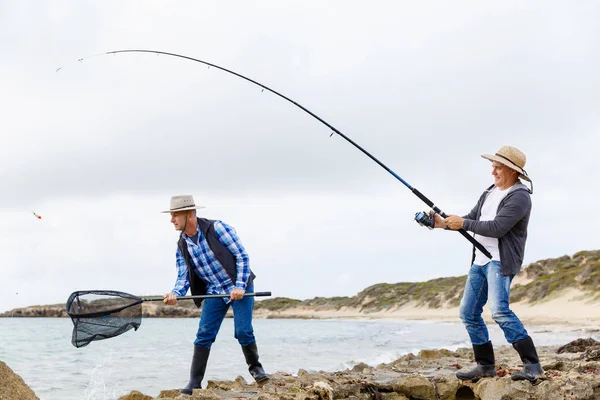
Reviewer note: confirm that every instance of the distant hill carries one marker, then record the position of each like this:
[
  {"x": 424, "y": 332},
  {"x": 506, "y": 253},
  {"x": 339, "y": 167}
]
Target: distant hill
[{"x": 538, "y": 282}]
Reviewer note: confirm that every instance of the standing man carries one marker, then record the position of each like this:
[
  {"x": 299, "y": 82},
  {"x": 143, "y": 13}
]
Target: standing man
[
  {"x": 499, "y": 221},
  {"x": 212, "y": 260}
]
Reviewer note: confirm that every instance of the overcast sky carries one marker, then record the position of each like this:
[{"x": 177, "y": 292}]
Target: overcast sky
[{"x": 100, "y": 146}]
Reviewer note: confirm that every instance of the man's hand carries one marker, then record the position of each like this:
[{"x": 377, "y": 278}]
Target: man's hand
[
  {"x": 438, "y": 221},
  {"x": 170, "y": 299},
  {"x": 237, "y": 294},
  {"x": 454, "y": 222}
]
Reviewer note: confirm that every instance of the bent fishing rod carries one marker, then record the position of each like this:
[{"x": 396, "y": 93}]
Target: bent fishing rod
[{"x": 421, "y": 218}]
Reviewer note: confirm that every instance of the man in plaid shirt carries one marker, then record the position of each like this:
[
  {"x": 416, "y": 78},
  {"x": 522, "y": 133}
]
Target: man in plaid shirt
[{"x": 212, "y": 260}]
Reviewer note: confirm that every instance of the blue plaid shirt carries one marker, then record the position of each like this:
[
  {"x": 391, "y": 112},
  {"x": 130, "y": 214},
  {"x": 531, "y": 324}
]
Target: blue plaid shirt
[{"x": 208, "y": 268}]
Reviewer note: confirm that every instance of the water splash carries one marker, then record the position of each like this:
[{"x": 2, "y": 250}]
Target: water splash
[{"x": 98, "y": 388}]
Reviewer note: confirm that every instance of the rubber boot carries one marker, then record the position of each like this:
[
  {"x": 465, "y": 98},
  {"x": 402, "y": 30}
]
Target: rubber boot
[
  {"x": 532, "y": 369},
  {"x": 255, "y": 368},
  {"x": 486, "y": 364},
  {"x": 197, "y": 370}
]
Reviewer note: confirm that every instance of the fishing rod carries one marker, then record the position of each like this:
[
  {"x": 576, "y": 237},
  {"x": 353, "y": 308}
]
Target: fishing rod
[{"x": 422, "y": 218}]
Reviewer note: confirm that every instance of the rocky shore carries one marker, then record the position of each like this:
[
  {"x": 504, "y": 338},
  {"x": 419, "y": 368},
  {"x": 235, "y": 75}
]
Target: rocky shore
[{"x": 572, "y": 372}]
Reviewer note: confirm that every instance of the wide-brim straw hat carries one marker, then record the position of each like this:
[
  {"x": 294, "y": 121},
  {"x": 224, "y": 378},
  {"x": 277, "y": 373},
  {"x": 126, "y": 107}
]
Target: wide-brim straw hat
[
  {"x": 182, "y": 203},
  {"x": 511, "y": 157}
]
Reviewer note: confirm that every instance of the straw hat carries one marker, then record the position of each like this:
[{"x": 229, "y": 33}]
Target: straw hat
[
  {"x": 512, "y": 158},
  {"x": 182, "y": 203}
]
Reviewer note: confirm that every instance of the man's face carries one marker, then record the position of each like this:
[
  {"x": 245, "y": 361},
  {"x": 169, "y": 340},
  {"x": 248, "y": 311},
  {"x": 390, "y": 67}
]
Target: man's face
[
  {"x": 178, "y": 219},
  {"x": 504, "y": 177}
]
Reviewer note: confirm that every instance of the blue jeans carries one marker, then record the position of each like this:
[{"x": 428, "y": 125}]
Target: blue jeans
[
  {"x": 486, "y": 282},
  {"x": 213, "y": 313}
]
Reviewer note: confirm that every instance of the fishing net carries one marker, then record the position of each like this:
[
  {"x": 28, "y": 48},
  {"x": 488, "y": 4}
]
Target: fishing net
[{"x": 102, "y": 314}]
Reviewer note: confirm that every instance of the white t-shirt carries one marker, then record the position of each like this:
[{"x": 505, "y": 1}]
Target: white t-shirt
[{"x": 488, "y": 213}]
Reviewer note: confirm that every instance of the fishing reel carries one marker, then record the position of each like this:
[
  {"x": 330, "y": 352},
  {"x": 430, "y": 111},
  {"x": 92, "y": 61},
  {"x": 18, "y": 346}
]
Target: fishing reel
[{"x": 425, "y": 219}]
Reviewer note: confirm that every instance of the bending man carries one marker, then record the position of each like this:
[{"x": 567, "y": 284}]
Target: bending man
[{"x": 212, "y": 260}]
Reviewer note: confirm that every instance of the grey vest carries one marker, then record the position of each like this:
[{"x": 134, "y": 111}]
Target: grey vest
[{"x": 221, "y": 252}]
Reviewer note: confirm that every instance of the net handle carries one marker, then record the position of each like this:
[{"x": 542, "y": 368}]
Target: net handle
[{"x": 206, "y": 296}]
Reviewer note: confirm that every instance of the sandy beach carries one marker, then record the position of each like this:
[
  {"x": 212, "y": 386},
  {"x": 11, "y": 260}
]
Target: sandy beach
[{"x": 571, "y": 310}]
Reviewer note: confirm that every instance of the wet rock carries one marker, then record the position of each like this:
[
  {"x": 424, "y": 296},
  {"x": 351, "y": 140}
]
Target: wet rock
[{"x": 12, "y": 386}]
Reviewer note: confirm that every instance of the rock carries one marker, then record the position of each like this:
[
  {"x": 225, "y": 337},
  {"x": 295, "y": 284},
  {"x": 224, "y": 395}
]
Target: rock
[
  {"x": 394, "y": 396},
  {"x": 168, "y": 394},
  {"x": 592, "y": 353},
  {"x": 407, "y": 357},
  {"x": 589, "y": 347},
  {"x": 415, "y": 386},
  {"x": 464, "y": 352},
  {"x": 135, "y": 395},
  {"x": 323, "y": 390},
  {"x": 238, "y": 384},
  {"x": 503, "y": 389},
  {"x": 201, "y": 394},
  {"x": 446, "y": 388},
  {"x": 205, "y": 394},
  {"x": 12, "y": 386},
  {"x": 577, "y": 346},
  {"x": 429, "y": 354},
  {"x": 361, "y": 367},
  {"x": 556, "y": 365}
]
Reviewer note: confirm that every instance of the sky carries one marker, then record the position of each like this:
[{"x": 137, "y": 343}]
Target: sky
[{"x": 98, "y": 147}]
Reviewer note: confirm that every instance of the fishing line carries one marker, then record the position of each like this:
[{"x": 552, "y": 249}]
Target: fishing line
[{"x": 331, "y": 127}]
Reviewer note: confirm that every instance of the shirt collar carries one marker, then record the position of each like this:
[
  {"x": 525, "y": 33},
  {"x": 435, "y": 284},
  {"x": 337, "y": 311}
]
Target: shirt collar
[{"x": 187, "y": 237}]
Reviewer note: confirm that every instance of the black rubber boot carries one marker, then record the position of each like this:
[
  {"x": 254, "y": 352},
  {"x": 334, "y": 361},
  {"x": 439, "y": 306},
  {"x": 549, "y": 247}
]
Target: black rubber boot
[
  {"x": 255, "y": 368},
  {"x": 532, "y": 369},
  {"x": 197, "y": 370},
  {"x": 486, "y": 364}
]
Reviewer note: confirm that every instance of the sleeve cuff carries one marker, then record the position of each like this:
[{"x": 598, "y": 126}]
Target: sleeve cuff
[{"x": 467, "y": 225}]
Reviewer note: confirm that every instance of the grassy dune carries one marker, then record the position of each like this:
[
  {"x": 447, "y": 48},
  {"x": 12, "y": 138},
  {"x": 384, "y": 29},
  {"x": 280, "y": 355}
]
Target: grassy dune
[{"x": 542, "y": 280}]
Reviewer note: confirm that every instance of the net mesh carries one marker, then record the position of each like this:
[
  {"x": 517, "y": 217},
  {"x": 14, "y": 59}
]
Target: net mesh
[{"x": 102, "y": 314}]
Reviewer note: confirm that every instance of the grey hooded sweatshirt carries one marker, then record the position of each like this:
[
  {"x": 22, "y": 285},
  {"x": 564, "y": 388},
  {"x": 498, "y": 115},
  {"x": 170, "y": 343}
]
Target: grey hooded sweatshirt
[{"x": 509, "y": 226}]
